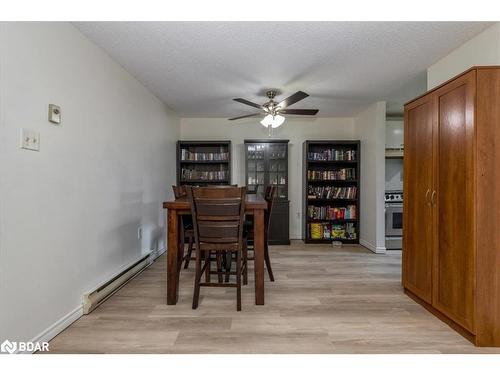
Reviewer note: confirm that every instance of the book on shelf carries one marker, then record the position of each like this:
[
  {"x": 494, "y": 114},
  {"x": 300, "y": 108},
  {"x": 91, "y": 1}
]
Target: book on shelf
[
  {"x": 332, "y": 154},
  {"x": 331, "y": 213},
  {"x": 328, "y": 231},
  {"x": 187, "y": 155},
  {"x": 192, "y": 174},
  {"x": 331, "y": 192},
  {"x": 337, "y": 174}
]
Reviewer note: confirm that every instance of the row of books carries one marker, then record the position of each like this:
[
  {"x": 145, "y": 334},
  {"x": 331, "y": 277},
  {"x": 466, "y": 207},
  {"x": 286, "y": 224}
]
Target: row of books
[
  {"x": 327, "y": 231},
  {"x": 187, "y": 155},
  {"x": 332, "y": 155},
  {"x": 191, "y": 174},
  {"x": 331, "y": 213},
  {"x": 331, "y": 192},
  {"x": 339, "y": 174}
]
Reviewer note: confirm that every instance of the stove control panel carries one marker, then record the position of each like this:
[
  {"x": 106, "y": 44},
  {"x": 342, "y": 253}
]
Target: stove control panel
[{"x": 394, "y": 196}]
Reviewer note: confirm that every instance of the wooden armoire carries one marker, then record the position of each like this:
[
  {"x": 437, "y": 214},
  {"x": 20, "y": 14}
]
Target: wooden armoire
[{"x": 451, "y": 227}]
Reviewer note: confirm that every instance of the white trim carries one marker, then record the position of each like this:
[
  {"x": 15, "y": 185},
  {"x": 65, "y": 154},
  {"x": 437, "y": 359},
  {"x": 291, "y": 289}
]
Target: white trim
[
  {"x": 59, "y": 326},
  {"x": 156, "y": 254},
  {"x": 371, "y": 247},
  {"x": 123, "y": 268},
  {"x": 71, "y": 317}
]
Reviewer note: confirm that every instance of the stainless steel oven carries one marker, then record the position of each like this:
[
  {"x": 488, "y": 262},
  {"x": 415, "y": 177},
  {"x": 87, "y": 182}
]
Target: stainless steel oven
[{"x": 394, "y": 220}]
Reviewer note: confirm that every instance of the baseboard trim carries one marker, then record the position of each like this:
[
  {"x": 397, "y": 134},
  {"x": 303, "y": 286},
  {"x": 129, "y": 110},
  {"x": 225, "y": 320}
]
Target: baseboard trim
[
  {"x": 59, "y": 326},
  {"x": 71, "y": 317},
  {"x": 372, "y": 247}
]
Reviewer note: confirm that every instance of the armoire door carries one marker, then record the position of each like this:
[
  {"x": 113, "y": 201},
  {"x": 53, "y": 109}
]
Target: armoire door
[
  {"x": 417, "y": 211},
  {"x": 453, "y": 201}
]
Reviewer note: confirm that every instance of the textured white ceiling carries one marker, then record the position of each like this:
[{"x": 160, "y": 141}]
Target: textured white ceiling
[{"x": 196, "y": 68}]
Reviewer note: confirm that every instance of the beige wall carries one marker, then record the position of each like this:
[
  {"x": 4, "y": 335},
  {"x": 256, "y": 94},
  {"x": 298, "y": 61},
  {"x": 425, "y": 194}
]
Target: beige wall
[
  {"x": 296, "y": 130},
  {"x": 483, "y": 49},
  {"x": 69, "y": 214}
]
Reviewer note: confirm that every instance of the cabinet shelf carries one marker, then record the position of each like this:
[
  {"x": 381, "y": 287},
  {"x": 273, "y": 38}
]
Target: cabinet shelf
[
  {"x": 310, "y": 220},
  {"x": 331, "y": 148},
  {"x": 333, "y": 200},
  {"x": 193, "y": 172},
  {"x": 333, "y": 182},
  {"x": 332, "y": 161},
  {"x": 204, "y": 161}
]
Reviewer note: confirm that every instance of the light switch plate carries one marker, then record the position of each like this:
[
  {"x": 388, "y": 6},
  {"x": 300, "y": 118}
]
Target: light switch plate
[
  {"x": 54, "y": 114},
  {"x": 30, "y": 140}
]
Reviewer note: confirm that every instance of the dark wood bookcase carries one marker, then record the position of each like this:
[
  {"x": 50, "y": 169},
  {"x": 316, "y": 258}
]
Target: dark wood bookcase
[
  {"x": 203, "y": 162},
  {"x": 266, "y": 163},
  {"x": 331, "y": 173}
]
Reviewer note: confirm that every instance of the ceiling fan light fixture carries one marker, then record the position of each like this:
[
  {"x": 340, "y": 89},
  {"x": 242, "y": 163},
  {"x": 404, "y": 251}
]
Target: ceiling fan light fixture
[
  {"x": 267, "y": 121},
  {"x": 273, "y": 121},
  {"x": 278, "y": 121}
]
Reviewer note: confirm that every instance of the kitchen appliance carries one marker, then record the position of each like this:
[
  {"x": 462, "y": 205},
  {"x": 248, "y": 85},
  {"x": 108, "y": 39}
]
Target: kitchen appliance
[{"x": 394, "y": 220}]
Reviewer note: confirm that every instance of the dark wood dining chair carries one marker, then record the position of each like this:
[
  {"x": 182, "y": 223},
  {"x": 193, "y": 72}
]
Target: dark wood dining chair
[
  {"x": 187, "y": 230},
  {"x": 269, "y": 196},
  {"x": 218, "y": 217}
]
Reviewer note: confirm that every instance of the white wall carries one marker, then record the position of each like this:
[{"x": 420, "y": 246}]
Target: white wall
[
  {"x": 394, "y": 134},
  {"x": 483, "y": 49},
  {"x": 370, "y": 130},
  {"x": 69, "y": 214},
  {"x": 295, "y": 129}
]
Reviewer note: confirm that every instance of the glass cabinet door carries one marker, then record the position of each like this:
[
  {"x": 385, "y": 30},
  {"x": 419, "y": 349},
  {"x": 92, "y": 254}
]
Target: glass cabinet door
[
  {"x": 255, "y": 166},
  {"x": 267, "y": 164},
  {"x": 278, "y": 171}
]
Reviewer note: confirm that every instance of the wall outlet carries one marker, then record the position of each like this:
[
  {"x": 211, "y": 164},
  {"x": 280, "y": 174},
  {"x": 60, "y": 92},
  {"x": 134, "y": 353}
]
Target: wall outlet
[
  {"x": 30, "y": 140},
  {"x": 139, "y": 233}
]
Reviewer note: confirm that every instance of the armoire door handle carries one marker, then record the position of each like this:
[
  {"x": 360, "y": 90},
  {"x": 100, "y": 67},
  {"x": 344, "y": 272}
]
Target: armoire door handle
[
  {"x": 433, "y": 197},
  {"x": 427, "y": 197}
]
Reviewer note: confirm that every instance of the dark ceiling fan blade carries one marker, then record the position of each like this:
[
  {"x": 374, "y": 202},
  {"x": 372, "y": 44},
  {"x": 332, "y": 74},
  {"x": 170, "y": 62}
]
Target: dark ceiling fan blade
[
  {"x": 251, "y": 115},
  {"x": 247, "y": 102},
  {"x": 298, "y": 96},
  {"x": 306, "y": 112}
]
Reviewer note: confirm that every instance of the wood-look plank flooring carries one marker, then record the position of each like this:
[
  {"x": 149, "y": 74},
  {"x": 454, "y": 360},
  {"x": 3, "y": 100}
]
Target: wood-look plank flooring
[{"x": 324, "y": 300}]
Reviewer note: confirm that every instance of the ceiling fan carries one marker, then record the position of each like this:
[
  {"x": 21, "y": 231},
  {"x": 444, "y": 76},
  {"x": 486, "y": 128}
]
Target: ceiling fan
[{"x": 273, "y": 111}]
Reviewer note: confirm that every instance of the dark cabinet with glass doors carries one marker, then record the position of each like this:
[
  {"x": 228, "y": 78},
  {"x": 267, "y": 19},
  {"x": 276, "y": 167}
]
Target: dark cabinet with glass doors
[{"x": 267, "y": 164}]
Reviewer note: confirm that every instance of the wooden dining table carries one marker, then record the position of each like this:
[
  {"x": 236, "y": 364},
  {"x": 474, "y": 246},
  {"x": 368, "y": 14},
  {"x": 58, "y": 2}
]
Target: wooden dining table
[{"x": 255, "y": 205}]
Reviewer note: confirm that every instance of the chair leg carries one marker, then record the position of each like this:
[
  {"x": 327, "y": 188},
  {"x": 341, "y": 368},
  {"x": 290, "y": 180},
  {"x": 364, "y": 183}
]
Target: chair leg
[
  {"x": 208, "y": 268},
  {"x": 197, "y": 279},
  {"x": 245, "y": 263},
  {"x": 268, "y": 262},
  {"x": 228, "y": 258},
  {"x": 219, "y": 266},
  {"x": 190, "y": 252},
  {"x": 238, "y": 281}
]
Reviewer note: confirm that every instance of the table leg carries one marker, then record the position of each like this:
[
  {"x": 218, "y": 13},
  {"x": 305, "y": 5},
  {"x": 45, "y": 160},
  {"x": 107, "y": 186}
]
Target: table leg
[
  {"x": 172, "y": 257},
  {"x": 258, "y": 228}
]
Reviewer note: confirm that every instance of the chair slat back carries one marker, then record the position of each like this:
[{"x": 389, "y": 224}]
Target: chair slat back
[
  {"x": 218, "y": 214},
  {"x": 269, "y": 196}
]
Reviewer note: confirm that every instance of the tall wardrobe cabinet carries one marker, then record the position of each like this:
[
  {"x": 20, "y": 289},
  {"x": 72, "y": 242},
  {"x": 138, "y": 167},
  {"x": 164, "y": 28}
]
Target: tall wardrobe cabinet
[{"x": 451, "y": 228}]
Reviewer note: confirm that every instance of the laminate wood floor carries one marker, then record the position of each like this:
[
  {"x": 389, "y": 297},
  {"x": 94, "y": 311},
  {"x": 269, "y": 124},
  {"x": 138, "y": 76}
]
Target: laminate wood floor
[{"x": 324, "y": 300}]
